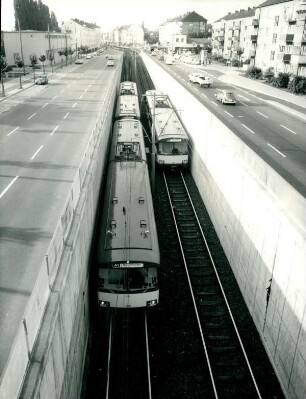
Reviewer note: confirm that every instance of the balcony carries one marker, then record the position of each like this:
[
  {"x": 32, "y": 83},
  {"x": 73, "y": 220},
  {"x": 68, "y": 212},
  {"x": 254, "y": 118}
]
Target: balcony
[
  {"x": 286, "y": 58},
  {"x": 289, "y": 38},
  {"x": 255, "y": 22},
  {"x": 291, "y": 19},
  {"x": 254, "y": 38}
]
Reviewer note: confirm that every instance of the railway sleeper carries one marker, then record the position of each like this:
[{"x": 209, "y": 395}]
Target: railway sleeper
[
  {"x": 210, "y": 281},
  {"x": 209, "y": 311},
  {"x": 209, "y": 292},
  {"x": 198, "y": 271}
]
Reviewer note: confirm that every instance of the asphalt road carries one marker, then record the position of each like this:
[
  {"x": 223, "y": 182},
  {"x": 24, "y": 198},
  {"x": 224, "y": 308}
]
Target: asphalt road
[
  {"x": 43, "y": 140},
  {"x": 273, "y": 133}
]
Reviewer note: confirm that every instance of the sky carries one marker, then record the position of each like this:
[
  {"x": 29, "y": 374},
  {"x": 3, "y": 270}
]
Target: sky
[{"x": 111, "y": 13}]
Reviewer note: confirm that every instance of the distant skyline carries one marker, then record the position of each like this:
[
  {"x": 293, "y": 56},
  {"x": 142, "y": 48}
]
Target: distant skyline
[{"x": 111, "y": 13}]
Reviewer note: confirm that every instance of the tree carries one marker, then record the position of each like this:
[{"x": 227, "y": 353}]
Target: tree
[
  {"x": 3, "y": 65},
  {"x": 20, "y": 64},
  {"x": 31, "y": 14},
  {"x": 42, "y": 58},
  {"x": 33, "y": 60},
  {"x": 240, "y": 51}
]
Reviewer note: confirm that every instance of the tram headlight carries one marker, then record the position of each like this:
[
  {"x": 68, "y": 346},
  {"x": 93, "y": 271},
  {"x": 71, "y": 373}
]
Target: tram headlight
[
  {"x": 153, "y": 302},
  {"x": 104, "y": 304}
]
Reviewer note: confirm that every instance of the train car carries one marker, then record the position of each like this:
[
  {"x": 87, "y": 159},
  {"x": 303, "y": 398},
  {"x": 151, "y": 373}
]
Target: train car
[
  {"x": 128, "y": 252},
  {"x": 128, "y": 88},
  {"x": 170, "y": 135},
  {"x": 127, "y": 101}
]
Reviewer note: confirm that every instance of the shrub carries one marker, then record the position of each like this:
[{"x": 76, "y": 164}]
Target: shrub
[
  {"x": 268, "y": 76},
  {"x": 254, "y": 72},
  {"x": 235, "y": 63},
  {"x": 297, "y": 84},
  {"x": 281, "y": 80}
]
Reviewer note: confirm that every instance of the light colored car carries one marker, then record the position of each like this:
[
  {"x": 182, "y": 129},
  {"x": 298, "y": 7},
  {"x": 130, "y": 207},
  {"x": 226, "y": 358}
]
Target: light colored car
[
  {"x": 110, "y": 62},
  {"x": 226, "y": 97},
  {"x": 200, "y": 78},
  {"x": 79, "y": 61},
  {"x": 88, "y": 56},
  {"x": 42, "y": 80}
]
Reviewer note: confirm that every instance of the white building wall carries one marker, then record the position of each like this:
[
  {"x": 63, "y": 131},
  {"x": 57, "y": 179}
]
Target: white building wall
[
  {"x": 168, "y": 31},
  {"x": 34, "y": 42},
  {"x": 82, "y": 35}
]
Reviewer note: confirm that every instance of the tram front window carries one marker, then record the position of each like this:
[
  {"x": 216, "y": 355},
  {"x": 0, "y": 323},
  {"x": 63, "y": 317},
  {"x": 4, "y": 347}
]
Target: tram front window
[
  {"x": 123, "y": 280},
  {"x": 174, "y": 148}
]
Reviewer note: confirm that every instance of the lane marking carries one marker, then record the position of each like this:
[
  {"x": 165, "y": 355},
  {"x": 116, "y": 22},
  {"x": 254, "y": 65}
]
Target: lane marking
[
  {"x": 54, "y": 97},
  {"x": 288, "y": 129},
  {"x": 7, "y": 188},
  {"x": 241, "y": 102},
  {"x": 74, "y": 105},
  {"x": 44, "y": 105},
  {"x": 54, "y": 130},
  {"x": 31, "y": 116},
  {"x": 66, "y": 115},
  {"x": 62, "y": 91},
  {"x": 265, "y": 116},
  {"x": 214, "y": 103},
  {"x": 81, "y": 96},
  {"x": 204, "y": 95},
  {"x": 13, "y": 131},
  {"x": 246, "y": 99},
  {"x": 275, "y": 149},
  {"x": 37, "y": 152},
  {"x": 248, "y": 128},
  {"x": 229, "y": 114}
]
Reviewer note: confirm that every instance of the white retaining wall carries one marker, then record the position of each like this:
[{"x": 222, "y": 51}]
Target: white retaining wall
[
  {"x": 47, "y": 358},
  {"x": 261, "y": 222}
]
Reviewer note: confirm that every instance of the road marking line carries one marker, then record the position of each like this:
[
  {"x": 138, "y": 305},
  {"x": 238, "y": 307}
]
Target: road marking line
[
  {"x": 265, "y": 116},
  {"x": 74, "y": 105},
  {"x": 11, "y": 183},
  {"x": 62, "y": 91},
  {"x": 54, "y": 97},
  {"x": 288, "y": 129},
  {"x": 81, "y": 96},
  {"x": 246, "y": 99},
  {"x": 229, "y": 114},
  {"x": 66, "y": 115},
  {"x": 246, "y": 105},
  {"x": 204, "y": 95},
  {"x": 13, "y": 131},
  {"x": 37, "y": 152},
  {"x": 248, "y": 128},
  {"x": 214, "y": 103},
  {"x": 276, "y": 150},
  {"x": 31, "y": 116},
  {"x": 44, "y": 105},
  {"x": 54, "y": 130}
]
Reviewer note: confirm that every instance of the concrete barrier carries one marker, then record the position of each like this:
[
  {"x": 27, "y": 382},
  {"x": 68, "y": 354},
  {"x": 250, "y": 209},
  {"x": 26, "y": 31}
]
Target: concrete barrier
[{"x": 260, "y": 220}]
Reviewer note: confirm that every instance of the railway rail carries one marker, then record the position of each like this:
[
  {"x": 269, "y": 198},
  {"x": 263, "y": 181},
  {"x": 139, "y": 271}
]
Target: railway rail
[
  {"x": 128, "y": 366},
  {"x": 229, "y": 369}
]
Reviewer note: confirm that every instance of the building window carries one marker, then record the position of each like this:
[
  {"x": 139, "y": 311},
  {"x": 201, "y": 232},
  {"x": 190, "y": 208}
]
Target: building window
[
  {"x": 177, "y": 40},
  {"x": 276, "y": 21},
  {"x": 274, "y": 40},
  {"x": 281, "y": 49},
  {"x": 272, "y": 55}
]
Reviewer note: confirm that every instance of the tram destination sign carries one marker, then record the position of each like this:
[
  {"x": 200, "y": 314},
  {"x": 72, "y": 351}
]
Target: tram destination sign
[{"x": 127, "y": 265}]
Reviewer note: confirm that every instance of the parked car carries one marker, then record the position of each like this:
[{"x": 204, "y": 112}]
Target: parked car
[
  {"x": 88, "y": 56},
  {"x": 203, "y": 80},
  {"x": 226, "y": 97},
  {"x": 79, "y": 61},
  {"x": 110, "y": 62},
  {"x": 42, "y": 80}
]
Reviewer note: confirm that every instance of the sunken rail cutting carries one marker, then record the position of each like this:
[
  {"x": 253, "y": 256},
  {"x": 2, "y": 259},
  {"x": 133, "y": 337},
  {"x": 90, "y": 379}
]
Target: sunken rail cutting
[{"x": 230, "y": 372}]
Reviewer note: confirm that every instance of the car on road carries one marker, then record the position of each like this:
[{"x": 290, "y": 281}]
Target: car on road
[
  {"x": 42, "y": 80},
  {"x": 79, "y": 61},
  {"x": 110, "y": 62},
  {"x": 226, "y": 97},
  {"x": 200, "y": 78},
  {"x": 88, "y": 57}
]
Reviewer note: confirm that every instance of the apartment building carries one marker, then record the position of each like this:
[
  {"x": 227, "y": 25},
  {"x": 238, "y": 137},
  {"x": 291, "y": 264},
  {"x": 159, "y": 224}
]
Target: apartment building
[
  {"x": 189, "y": 25},
  {"x": 281, "y": 38},
  {"x": 232, "y": 36},
  {"x": 83, "y": 34},
  {"x": 272, "y": 36},
  {"x": 129, "y": 35}
]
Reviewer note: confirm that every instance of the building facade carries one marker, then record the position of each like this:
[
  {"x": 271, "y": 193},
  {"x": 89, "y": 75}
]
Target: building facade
[
  {"x": 29, "y": 43},
  {"x": 271, "y": 36},
  {"x": 82, "y": 34},
  {"x": 129, "y": 35}
]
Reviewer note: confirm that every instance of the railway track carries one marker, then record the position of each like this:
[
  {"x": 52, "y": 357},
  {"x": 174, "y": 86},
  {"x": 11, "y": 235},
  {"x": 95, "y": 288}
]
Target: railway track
[
  {"x": 230, "y": 372},
  {"x": 128, "y": 367}
]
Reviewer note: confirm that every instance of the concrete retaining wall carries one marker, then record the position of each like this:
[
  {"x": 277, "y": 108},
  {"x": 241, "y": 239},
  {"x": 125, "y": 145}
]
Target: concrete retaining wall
[
  {"x": 48, "y": 355},
  {"x": 261, "y": 222}
]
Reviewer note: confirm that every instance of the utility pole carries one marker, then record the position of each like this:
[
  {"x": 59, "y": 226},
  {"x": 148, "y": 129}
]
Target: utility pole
[{"x": 21, "y": 50}]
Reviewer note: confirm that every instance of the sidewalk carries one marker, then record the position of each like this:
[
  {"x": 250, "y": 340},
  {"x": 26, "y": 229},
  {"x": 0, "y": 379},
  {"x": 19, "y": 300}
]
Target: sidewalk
[{"x": 293, "y": 103}]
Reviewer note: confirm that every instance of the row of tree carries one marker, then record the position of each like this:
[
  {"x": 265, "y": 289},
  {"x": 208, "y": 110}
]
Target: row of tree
[{"x": 34, "y": 15}]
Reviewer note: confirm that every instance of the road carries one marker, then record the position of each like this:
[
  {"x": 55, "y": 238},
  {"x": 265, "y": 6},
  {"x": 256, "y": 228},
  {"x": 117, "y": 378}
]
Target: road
[
  {"x": 43, "y": 139},
  {"x": 269, "y": 126}
]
